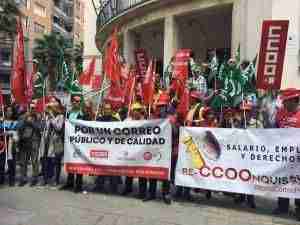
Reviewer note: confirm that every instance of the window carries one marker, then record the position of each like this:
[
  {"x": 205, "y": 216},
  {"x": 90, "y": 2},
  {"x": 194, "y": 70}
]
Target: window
[
  {"x": 69, "y": 11},
  {"x": 26, "y": 23},
  {"x": 25, "y": 3},
  {"x": 39, "y": 10},
  {"x": 38, "y": 28},
  {"x": 5, "y": 58}
]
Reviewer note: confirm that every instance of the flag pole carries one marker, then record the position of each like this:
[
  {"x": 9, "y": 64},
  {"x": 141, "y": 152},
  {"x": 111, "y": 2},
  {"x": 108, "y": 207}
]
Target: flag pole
[
  {"x": 44, "y": 116},
  {"x": 149, "y": 111},
  {"x": 131, "y": 97},
  {"x": 95, "y": 92},
  {"x": 100, "y": 98},
  {"x": 244, "y": 110},
  {"x": 44, "y": 100},
  {"x": 70, "y": 91},
  {"x": 4, "y": 135}
]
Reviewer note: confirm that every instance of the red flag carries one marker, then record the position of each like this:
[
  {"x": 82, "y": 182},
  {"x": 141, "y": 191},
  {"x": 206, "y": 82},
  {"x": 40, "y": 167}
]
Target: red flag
[
  {"x": 180, "y": 71},
  {"x": 41, "y": 103},
  {"x": 125, "y": 70},
  {"x": 177, "y": 86},
  {"x": 149, "y": 84},
  {"x": 184, "y": 104},
  {"x": 18, "y": 80},
  {"x": 130, "y": 87},
  {"x": 96, "y": 82},
  {"x": 115, "y": 96},
  {"x": 112, "y": 66},
  {"x": 85, "y": 77}
]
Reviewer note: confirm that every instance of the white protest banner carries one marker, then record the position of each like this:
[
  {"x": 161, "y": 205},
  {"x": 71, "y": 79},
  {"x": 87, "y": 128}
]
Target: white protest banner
[
  {"x": 129, "y": 148},
  {"x": 253, "y": 161}
]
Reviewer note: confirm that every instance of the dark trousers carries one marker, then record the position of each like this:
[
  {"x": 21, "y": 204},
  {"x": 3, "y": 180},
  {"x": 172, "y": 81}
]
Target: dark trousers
[
  {"x": 284, "y": 204},
  {"x": 114, "y": 182},
  {"x": 128, "y": 184},
  {"x": 166, "y": 187},
  {"x": 43, "y": 162},
  {"x": 152, "y": 187},
  {"x": 52, "y": 168},
  {"x": 74, "y": 177},
  {"x": 142, "y": 185},
  {"x": 2, "y": 167},
  {"x": 12, "y": 169},
  {"x": 249, "y": 198},
  {"x": 182, "y": 192},
  {"x": 27, "y": 155}
]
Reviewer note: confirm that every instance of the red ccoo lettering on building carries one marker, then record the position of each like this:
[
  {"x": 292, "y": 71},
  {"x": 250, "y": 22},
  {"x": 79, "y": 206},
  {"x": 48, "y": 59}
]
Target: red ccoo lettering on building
[{"x": 272, "y": 53}]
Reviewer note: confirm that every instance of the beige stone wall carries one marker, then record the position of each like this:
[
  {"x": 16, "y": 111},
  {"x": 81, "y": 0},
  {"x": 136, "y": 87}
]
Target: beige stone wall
[
  {"x": 90, "y": 49},
  {"x": 246, "y": 23},
  {"x": 173, "y": 31},
  {"x": 291, "y": 12}
]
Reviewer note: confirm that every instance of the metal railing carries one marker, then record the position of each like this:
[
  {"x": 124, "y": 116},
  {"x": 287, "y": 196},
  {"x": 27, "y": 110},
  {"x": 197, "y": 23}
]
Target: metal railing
[{"x": 111, "y": 8}]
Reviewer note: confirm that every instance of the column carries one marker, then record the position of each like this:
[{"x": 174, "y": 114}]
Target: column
[
  {"x": 129, "y": 46},
  {"x": 247, "y": 18},
  {"x": 170, "y": 39},
  {"x": 281, "y": 10}
]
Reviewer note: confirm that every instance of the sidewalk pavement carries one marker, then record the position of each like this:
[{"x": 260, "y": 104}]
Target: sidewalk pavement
[{"x": 47, "y": 206}]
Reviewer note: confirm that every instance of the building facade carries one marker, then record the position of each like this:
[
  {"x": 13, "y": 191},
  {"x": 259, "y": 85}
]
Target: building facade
[
  {"x": 68, "y": 19},
  {"x": 90, "y": 49},
  {"x": 40, "y": 17},
  {"x": 162, "y": 27}
]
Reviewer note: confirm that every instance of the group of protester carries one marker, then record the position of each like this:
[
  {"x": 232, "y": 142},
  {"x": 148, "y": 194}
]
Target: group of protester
[{"x": 37, "y": 138}]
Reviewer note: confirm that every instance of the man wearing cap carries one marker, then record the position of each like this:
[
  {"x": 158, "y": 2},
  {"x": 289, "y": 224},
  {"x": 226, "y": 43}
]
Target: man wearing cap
[{"x": 288, "y": 117}]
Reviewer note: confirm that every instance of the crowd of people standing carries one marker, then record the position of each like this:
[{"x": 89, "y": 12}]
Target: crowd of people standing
[{"x": 36, "y": 138}]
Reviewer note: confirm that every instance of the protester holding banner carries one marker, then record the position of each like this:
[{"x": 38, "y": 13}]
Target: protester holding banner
[
  {"x": 88, "y": 110},
  {"x": 247, "y": 119},
  {"x": 162, "y": 107},
  {"x": 288, "y": 117},
  {"x": 107, "y": 116},
  {"x": 73, "y": 114},
  {"x": 137, "y": 113}
]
